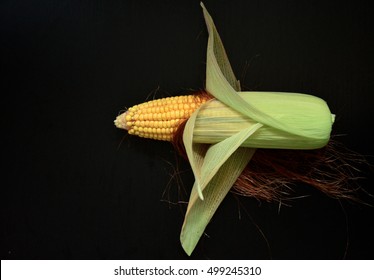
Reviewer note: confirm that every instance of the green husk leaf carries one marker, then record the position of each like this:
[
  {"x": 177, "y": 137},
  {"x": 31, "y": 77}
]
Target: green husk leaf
[
  {"x": 195, "y": 151},
  {"x": 200, "y": 212},
  {"x": 219, "y": 169},
  {"x": 215, "y": 47},
  {"x": 217, "y": 154},
  {"x": 219, "y": 83}
]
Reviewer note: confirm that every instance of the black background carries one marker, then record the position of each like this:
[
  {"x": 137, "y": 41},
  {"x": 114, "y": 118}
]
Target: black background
[{"x": 75, "y": 187}]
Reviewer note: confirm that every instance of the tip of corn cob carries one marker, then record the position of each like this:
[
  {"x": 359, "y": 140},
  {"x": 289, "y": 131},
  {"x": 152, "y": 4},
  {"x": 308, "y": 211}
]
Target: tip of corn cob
[{"x": 120, "y": 121}]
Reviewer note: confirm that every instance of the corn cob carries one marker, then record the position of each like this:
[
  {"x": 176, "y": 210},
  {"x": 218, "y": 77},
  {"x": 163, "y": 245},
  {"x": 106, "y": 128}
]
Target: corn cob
[{"x": 159, "y": 119}]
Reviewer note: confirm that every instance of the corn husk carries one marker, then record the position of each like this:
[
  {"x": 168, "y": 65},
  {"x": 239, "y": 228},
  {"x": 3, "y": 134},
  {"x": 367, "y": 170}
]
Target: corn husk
[
  {"x": 309, "y": 116},
  {"x": 235, "y": 124}
]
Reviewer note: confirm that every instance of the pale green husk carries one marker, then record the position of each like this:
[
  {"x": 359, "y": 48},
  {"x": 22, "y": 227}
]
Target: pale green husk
[
  {"x": 235, "y": 123},
  {"x": 309, "y": 116}
]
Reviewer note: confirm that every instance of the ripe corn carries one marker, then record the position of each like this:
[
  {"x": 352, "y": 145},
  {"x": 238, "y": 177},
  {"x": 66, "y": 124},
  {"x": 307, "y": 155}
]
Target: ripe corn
[
  {"x": 159, "y": 119},
  {"x": 309, "y": 115}
]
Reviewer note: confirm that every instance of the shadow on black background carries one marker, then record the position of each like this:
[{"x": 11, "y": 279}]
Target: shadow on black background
[{"x": 75, "y": 187}]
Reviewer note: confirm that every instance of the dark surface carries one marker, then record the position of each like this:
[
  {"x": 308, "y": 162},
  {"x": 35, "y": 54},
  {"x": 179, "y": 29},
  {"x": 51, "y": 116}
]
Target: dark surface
[{"x": 75, "y": 187}]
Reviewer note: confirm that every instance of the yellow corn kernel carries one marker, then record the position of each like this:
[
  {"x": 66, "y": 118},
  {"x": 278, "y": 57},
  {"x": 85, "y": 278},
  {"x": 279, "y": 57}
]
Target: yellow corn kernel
[{"x": 159, "y": 119}]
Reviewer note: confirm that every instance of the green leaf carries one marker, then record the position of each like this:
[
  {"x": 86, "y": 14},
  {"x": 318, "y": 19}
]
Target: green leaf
[
  {"x": 200, "y": 212},
  {"x": 217, "y": 154},
  {"x": 221, "y": 83},
  {"x": 195, "y": 151},
  {"x": 216, "y": 48}
]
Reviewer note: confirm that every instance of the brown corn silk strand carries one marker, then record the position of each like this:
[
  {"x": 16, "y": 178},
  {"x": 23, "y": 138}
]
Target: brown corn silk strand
[{"x": 271, "y": 173}]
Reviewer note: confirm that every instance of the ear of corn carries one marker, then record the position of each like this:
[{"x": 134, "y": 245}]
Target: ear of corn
[
  {"x": 235, "y": 123},
  {"x": 215, "y": 121}
]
